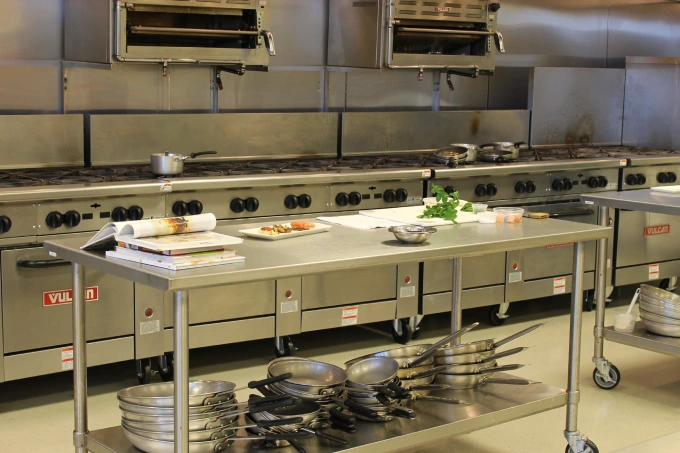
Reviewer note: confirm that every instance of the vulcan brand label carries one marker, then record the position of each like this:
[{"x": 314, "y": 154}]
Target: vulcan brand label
[
  {"x": 653, "y": 272},
  {"x": 560, "y": 285},
  {"x": 65, "y": 296},
  {"x": 350, "y": 315},
  {"x": 67, "y": 358},
  {"x": 657, "y": 229},
  {"x": 442, "y": 9}
]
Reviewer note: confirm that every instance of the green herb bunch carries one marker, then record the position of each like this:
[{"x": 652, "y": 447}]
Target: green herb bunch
[{"x": 446, "y": 207}]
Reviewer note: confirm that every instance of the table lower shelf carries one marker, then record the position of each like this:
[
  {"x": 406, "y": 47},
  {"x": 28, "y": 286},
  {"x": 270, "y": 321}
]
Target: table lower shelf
[
  {"x": 641, "y": 338},
  {"x": 491, "y": 405}
]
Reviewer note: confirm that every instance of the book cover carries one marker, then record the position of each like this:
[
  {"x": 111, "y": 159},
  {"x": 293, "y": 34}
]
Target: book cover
[{"x": 174, "y": 266}]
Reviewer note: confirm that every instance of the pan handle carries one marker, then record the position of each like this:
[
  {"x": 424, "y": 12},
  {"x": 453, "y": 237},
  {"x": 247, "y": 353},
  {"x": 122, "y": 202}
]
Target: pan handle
[
  {"x": 285, "y": 436},
  {"x": 507, "y": 353},
  {"x": 403, "y": 413},
  {"x": 428, "y": 373},
  {"x": 496, "y": 369},
  {"x": 267, "y": 407},
  {"x": 278, "y": 422},
  {"x": 263, "y": 382},
  {"x": 518, "y": 144},
  {"x": 509, "y": 381},
  {"x": 257, "y": 399},
  {"x": 346, "y": 429},
  {"x": 507, "y": 340},
  {"x": 437, "y": 399},
  {"x": 360, "y": 409},
  {"x": 201, "y": 153},
  {"x": 323, "y": 435},
  {"x": 431, "y": 387},
  {"x": 41, "y": 264},
  {"x": 486, "y": 145},
  {"x": 340, "y": 416},
  {"x": 432, "y": 349}
]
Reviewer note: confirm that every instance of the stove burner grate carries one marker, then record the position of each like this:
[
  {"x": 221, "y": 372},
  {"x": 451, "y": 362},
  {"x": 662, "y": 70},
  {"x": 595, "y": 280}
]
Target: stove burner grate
[
  {"x": 10, "y": 183},
  {"x": 75, "y": 180}
]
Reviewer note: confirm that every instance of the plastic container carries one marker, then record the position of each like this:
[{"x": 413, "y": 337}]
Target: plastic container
[
  {"x": 479, "y": 207},
  {"x": 487, "y": 217},
  {"x": 624, "y": 322},
  {"x": 509, "y": 215}
]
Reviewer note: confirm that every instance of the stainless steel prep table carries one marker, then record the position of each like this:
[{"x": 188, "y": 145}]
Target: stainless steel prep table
[
  {"x": 340, "y": 249},
  {"x": 607, "y": 375}
]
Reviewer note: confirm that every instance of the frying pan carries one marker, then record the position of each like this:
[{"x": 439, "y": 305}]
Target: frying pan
[
  {"x": 371, "y": 371},
  {"x": 495, "y": 156},
  {"x": 200, "y": 392},
  {"x": 409, "y": 356},
  {"x": 420, "y": 372},
  {"x": 484, "y": 345},
  {"x": 468, "y": 381},
  {"x": 308, "y": 375},
  {"x": 226, "y": 406},
  {"x": 196, "y": 424},
  {"x": 476, "y": 358}
]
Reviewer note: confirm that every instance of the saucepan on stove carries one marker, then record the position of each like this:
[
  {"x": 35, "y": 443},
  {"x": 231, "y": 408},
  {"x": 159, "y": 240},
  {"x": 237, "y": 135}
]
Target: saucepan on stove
[
  {"x": 456, "y": 153},
  {"x": 503, "y": 147},
  {"x": 166, "y": 163}
]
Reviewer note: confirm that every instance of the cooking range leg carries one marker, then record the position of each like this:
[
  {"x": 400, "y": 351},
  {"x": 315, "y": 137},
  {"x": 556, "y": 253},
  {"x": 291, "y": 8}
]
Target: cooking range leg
[
  {"x": 457, "y": 308},
  {"x": 577, "y": 441},
  {"x": 79, "y": 359},
  {"x": 181, "y": 332}
]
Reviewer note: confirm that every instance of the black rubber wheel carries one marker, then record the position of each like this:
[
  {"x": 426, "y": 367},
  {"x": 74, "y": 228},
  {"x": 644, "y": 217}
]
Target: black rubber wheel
[
  {"x": 406, "y": 333},
  {"x": 665, "y": 283},
  {"x": 494, "y": 320},
  {"x": 288, "y": 348},
  {"x": 589, "y": 300},
  {"x": 614, "y": 374},
  {"x": 416, "y": 334},
  {"x": 144, "y": 371},
  {"x": 166, "y": 366},
  {"x": 590, "y": 448}
]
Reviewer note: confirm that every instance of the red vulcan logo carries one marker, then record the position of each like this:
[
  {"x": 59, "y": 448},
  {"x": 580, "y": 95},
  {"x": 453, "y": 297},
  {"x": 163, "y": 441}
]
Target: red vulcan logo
[
  {"x": 657, "y": 229},
  {"x": 441, "y": 9},
  {"x": 65, "y": 296}
]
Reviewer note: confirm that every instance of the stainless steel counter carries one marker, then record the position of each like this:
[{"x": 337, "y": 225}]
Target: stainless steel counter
[{"x": 646, "y": 200}]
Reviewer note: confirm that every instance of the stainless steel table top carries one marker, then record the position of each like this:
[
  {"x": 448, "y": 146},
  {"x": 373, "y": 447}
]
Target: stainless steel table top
[
  {"x": 339, "y": 249},
  {"x": 646, "y": 200}
]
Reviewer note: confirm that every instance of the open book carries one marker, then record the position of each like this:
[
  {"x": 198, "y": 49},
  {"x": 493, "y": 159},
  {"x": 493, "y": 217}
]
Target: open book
[{"x": 168, "y": 234}]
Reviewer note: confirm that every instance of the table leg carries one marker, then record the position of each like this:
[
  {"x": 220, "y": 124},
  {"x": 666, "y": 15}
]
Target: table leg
[
  {"x": 457, "y": 308},
  {"x": 181, "y": 332},
  {"x": 79, "y": 360},
  {"x": 600, "y": 294}
]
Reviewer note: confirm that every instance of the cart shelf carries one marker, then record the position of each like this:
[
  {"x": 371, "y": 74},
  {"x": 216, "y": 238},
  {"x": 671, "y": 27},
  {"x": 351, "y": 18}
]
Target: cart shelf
[{"x": 641, "y": 338}]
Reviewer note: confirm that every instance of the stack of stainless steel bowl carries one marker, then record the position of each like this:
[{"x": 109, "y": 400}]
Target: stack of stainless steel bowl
[{"x": 660, "y": 311}]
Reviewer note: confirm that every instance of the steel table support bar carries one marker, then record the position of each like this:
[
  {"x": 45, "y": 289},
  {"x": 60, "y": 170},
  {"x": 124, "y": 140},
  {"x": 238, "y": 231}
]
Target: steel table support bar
[
  {"x": 600, "y": 287},
  {"x": 573, "y": 396},
  {"x": 79, "y": 360},
  {"x": 457, "y": 307},
  {"x": 181, "y": 332}
]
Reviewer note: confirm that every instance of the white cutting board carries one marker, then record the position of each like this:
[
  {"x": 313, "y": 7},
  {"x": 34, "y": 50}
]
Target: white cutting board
[
  {"x": 667, "y": 189},
  {"x": 410, "y": 215}
]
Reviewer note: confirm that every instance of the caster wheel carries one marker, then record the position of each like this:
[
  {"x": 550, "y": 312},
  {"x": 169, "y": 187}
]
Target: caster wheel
[
  {"x": 405, "y": 333},
  {"x": 666, "y": 284},
  {"x": 416, "y": 334},
  {"x": 287, "y": 350},
  {"x": 494, "y": 320},
  {"x": 144, "y": 371},
  {"x": 614, "y": 375},
  {"x": 588, "y": 300},
  {"x": 166, "y": 366},
  {"x": 590, "y": 448}
]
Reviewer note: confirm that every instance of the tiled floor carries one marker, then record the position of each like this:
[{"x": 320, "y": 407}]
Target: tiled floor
[{"x": 36, "y": 414}]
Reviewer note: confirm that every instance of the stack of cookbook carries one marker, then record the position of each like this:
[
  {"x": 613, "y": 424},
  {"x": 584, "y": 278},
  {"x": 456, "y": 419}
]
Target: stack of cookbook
[{"x": 173, "y": 243}]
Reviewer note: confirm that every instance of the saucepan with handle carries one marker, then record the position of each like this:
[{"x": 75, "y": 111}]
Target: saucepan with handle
[{"x": 168, "y": 164}]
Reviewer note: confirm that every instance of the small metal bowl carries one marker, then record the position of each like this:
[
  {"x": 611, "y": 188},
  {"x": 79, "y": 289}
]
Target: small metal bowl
[{"x": 412, "y": 234}]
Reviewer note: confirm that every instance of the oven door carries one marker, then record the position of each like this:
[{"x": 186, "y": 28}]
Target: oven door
[{"x": 36, "y": 302}]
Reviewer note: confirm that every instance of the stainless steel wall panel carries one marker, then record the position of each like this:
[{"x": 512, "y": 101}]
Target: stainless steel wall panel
[
  {"x": 469, "y": 94},
  {"x": 189, "y": 89},
  {"x": 652, "y": 105},
  {"x": 388, "y": 89},
  {"x": 537, "y": 32},
  {"x": 400, "y": 131},
  {"x": 640, "y": 274},
  {"x": 44, "y": 140},
  {"x": 643, "y": 28},
  {"x": 336, "y": 91},
  {"x": 330, "y": 289},
  {"x": 225, "y": 332},
  {"x": 273, "y": 91},
  {"x": 576, "y": 105},
  {"x": 477, "y": 271},
  {"x": 30, "y": 87},
  {"x": 300, "y": 30},
  {"x": 125, "y": 88},
  {"x": 88, "y": 40},
  {"x": 128, "y": 138},
  {"x": 509, "y": 89},
  {"x": 31, "y": 29},
  {"x": 472, "y": 298}
]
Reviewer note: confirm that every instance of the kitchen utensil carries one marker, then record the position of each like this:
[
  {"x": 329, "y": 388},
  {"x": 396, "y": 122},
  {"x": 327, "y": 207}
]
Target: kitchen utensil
[
  {"x": 451, "y": 155},
  {"x": 308, "y": 376},
  {"x": 466, "y": 381},
  {"x": 476, "y": 358},
  {"x": 624, "y": 321},
  {"x": 208, "y": 421},
  {"x": 510, "y": 147},
  {"x": 665, "y": 296},
  {"x": 412, "y": 234},
  {"x": 484, "y": 345},
  {"x": 495, "y": 156},
  {"x": 658, "y": 309},
  {"x": 509, "y": 215},
  {"x": 632, "y": 302},
  {"x": 231, "y": 404},
  {"x": 487, "y": 217},
  {"x": 648, "y": 315},
  {"x": 420, "y": 372},
  {"x": 371, "y": 371},
  {"x": 167, "y": 164},
  {"x": 668, "y": 330}
]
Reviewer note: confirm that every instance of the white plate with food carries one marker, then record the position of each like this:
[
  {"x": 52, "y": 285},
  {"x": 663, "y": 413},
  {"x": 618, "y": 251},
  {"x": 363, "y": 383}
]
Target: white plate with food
[{"x": 277, "y": 231}]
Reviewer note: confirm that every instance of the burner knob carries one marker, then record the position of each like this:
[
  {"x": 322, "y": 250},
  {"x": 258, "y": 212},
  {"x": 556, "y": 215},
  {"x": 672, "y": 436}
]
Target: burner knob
[
  {"x": 402, "y": 195},
  {"x": 520, "y": 187},
  {"x": 631, "y": 180},
  {"x": 180, "y": 208},
  {"x": 672, "y": 177},
  {"x": 237, "y": 205},
  {"x": 5, "y": 224},
  {"x": 195, "y": 207},
  {"x": 54, "y": 219},
  {"x": 480, "y": 190},
  {"x": 493, "y": 7},
  {"x": 602, "y": 182},
  {"x": 531, "y": 187},
  {"x": 390, "y": 196},
  {"x": 119, "y": 214},
  {"x": 252, "y": 204},
  {"x": 491, "y": 190},
  {"x": 304, "y": 201},
  {"x": 342, "y": 199},
  {"x": 593, "y": 182},
  {"x": 291, "y": 202},
  {"x": 641, "y": 179},
  {"x": 135, "y": 212},
  {"x": 662, "y": 178},
  {"x": 72, "y": 218},
  {"x": 558, "y": 185},
  {"x": 354, "y": 198},
  {"x": 449, "y": 189},
  {"x": 568, "y": 185}
]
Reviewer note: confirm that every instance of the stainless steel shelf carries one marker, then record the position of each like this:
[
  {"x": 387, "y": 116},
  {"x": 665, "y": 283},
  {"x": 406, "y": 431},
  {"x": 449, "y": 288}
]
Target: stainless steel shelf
[
  {"x": 646, "y": 200},
  {"x": 641, "y": 338},
  {"x": 492, "y": 404}
]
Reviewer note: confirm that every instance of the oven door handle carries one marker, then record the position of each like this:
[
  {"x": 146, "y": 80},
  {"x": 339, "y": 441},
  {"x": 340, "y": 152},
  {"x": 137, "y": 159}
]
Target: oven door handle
[
  {"x": 575, "y": 212},
  {"x": 42, "y": 264},
  {"x": 269, "y": 41},
  {"x": 498, "y": 37},
  {"x": 144, "y": 30}
]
